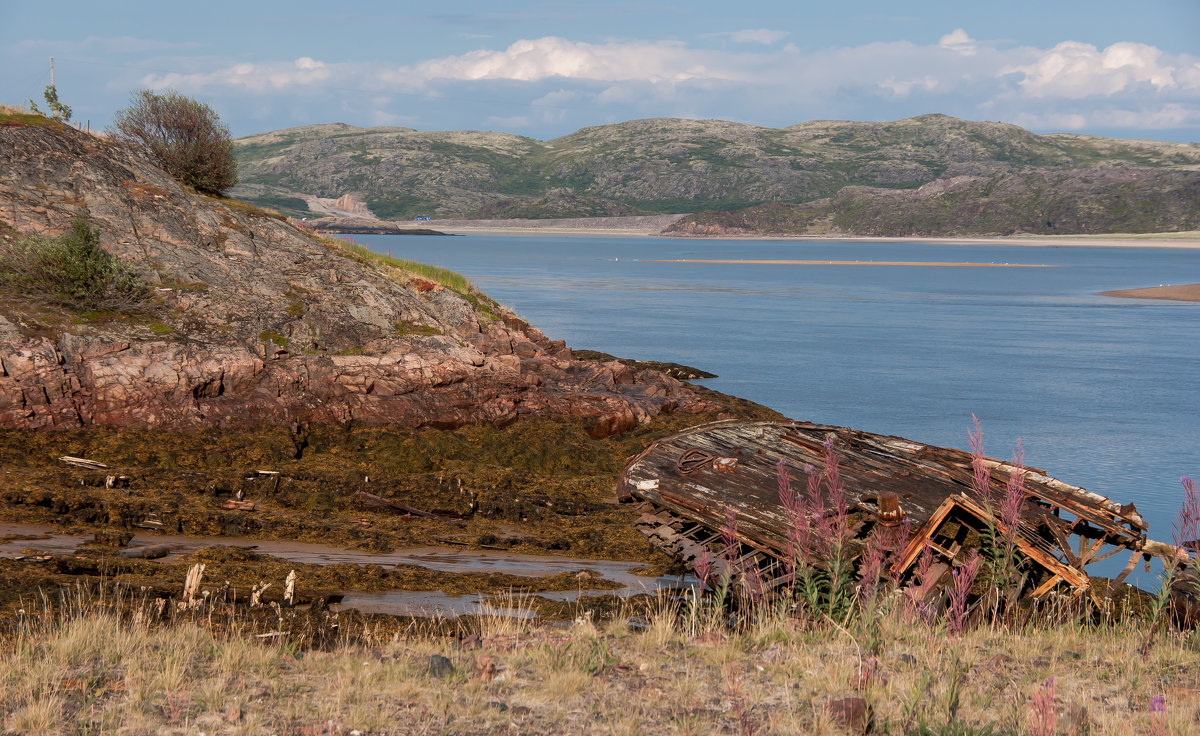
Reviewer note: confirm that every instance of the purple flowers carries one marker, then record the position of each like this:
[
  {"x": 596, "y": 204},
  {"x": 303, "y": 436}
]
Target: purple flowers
[
  {"x": 702, "y": 564},
  {"x": 1042, "y": 711},
  {"x": 1158, "y": 716},
  {"x": 1186, "y": 529},
  {"x": 964, "y": 578},
  {"x": 982, "y": 475}
]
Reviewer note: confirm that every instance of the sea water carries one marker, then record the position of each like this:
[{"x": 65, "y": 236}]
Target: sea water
[{"x": 1103, "y": 392}]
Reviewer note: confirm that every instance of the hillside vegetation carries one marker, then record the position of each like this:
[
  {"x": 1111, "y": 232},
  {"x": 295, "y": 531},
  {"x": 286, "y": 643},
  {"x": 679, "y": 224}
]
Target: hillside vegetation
[
  {"x": 1032, "y": 202},
  {"x": 659, "y": 165}
]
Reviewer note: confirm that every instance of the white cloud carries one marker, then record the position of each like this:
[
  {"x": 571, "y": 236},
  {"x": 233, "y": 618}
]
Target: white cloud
[
  {"x": 958, "y": 40},
  {"x": 903, "y": 88},
  {"x": 1167, "y": 116},
  {"x": 1075, "y": 70},
  {"x": 547, "y": 80},
  {"x": 271, "y": 76},
  {"x": 549, "y": 57},
  {"x": 382, "y": 117}
]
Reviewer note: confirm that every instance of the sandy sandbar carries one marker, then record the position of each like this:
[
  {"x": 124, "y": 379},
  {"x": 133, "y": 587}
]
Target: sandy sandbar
[
  {"x": 1179, "y": 293},
  {"x": 789, "y": 262},
  {"x": 652, "y": 226}
]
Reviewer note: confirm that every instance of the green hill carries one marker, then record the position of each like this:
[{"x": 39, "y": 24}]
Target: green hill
[{"x": 656, "y": 165}]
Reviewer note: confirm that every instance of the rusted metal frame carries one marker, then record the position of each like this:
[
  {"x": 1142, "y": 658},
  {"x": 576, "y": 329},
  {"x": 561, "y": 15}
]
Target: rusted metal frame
[{"x": 693, "y": 460}]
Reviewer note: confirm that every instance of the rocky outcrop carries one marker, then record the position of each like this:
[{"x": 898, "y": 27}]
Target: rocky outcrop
[
  {"x": 350, "y": 204},
  {"x": 255, "y": 320}
]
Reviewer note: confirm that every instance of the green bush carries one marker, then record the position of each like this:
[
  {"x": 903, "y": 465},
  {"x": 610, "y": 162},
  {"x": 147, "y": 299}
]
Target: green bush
[
  {"x": 72, "y": 271},
  {"x": 183, "y": 136}
]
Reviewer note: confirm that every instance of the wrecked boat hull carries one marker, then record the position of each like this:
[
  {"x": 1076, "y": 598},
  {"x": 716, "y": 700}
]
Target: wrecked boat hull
[{"x": 724, "y": 479}]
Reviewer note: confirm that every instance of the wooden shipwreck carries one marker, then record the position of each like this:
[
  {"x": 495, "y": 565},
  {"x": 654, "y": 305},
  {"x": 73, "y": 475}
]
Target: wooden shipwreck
[{"x": 706, "y": 484}]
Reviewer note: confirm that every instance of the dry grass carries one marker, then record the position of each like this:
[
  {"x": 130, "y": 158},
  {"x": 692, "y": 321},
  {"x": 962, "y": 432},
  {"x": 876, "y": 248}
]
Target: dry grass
[
  {"x": 648, "y": 671},
  {"x": 22, "y": 115}
]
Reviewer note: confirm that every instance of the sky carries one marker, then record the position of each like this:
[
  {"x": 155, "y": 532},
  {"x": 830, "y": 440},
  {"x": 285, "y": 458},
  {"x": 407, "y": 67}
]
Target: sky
[{"x": 547, "y": 68}]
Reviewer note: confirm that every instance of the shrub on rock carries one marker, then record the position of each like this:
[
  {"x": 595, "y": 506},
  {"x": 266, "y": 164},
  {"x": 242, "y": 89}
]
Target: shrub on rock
[
  {"x": 184, "y": 137},
  {"x": 72, "y": 270}
]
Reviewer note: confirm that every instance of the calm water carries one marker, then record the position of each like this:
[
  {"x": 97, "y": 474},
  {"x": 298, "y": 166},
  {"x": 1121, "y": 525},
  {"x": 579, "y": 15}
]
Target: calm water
[{"x": 1104, "y": 392}]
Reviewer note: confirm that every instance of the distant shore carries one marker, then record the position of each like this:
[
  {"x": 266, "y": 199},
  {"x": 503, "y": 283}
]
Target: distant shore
[
  {"x": 1179, "y": 293},
  {"x": 652, "y": 226},
  {"x": 795, "y": 262},
  {"x": 633, "y": 226}
]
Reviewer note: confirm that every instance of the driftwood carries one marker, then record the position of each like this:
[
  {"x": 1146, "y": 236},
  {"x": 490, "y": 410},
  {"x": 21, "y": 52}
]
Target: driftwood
[
  {"x": 151, "y": 522},
  {"x": 191, "y": 588},
  {"x": 152, "y": 552},
  {"x": 692, "y": 483},
  {"x": 82, "y": 462},
  {"x": 289, "y": 589},
  {"x": 372, "y": 501},
  {"x": 232, "y": 505}
]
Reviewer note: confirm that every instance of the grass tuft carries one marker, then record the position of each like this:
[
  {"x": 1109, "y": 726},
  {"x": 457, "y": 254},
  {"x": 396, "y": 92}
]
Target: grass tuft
[{"x": 273, "y": 336}]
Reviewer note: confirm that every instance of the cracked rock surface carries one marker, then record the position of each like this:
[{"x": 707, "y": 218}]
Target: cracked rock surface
[{"x": 255, "y": 320}]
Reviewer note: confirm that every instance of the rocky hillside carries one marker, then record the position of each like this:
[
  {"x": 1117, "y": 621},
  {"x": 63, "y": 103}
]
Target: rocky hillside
[
  {"x": 656, "y": 166},
  {"x": 255, "y": 320},
  {"x": 1089, "y": 201}
]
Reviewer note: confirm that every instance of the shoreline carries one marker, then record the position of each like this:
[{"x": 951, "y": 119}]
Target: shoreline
[
  {"x": 1182, "y": 241},
  {"x": 793, "y": 262},
  {"x": 622, "y": 228}
]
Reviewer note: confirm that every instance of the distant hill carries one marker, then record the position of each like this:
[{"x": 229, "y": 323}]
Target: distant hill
[
  {"x": 658, "y": 165},
  {"x": 1087, "y": 201}
]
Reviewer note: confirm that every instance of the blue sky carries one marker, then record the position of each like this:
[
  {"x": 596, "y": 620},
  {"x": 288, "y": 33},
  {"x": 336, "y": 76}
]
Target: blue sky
[{"x": 547, "y": 68}]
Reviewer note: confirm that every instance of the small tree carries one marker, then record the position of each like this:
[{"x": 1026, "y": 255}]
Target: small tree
[
  {"x": 185, "y": 137},
  {"x": 56, "y": 109}
]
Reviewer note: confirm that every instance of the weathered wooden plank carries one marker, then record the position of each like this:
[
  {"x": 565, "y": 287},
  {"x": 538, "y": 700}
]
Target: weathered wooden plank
[{"x": 708, "y": 474}]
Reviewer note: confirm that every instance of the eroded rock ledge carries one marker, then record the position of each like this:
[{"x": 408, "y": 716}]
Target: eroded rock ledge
[{"x": 258, "y": 321}]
